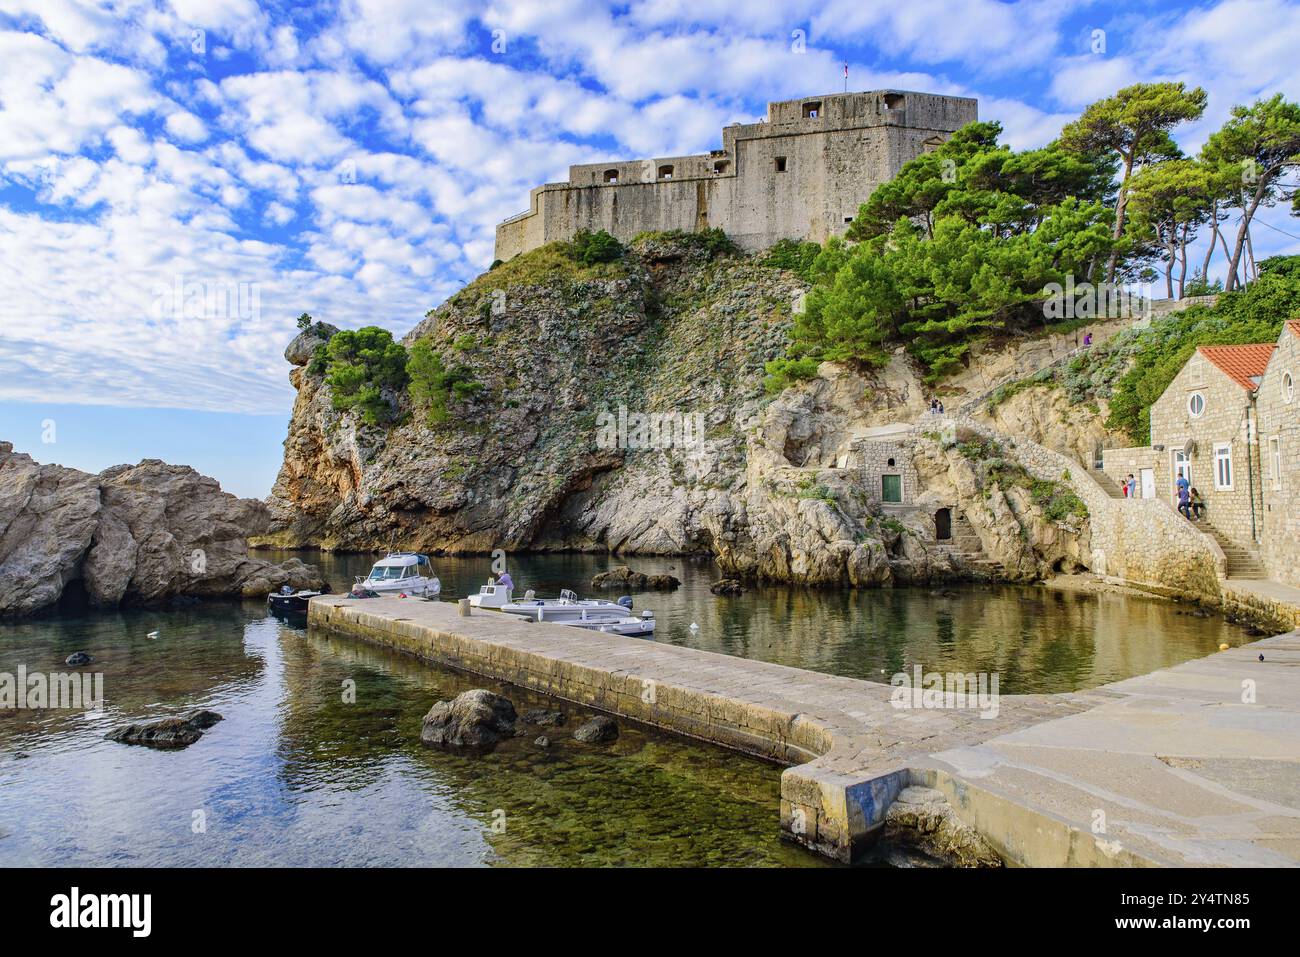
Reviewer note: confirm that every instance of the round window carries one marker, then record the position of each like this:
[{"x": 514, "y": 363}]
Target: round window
[
  {"x": 1288, "y": 387},
  {"x": 1196, "y": 405}
]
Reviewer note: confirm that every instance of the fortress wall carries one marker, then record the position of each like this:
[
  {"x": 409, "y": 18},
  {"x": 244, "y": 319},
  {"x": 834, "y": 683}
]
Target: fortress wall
[{"x": 792, "y": 177}]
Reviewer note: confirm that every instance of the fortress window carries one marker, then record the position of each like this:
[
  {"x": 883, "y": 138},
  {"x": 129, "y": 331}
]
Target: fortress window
[
  {"x": 812, "y": 110},
  {"x": 665, "y": 172},
  {"x": 780, "y": 164},
  {"x": 611, "y": 176},
  {"x": 720, "y": 166},
  {"x": 893, "y": 101},
  {"x": 932, "y": 144}
]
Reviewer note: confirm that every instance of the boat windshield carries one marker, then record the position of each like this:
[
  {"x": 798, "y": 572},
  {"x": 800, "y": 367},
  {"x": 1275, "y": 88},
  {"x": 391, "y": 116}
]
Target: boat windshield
[{"x": 387, "y": 572}]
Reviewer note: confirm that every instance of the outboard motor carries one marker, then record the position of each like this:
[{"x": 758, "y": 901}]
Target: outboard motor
[{"x": 626, "y": 602}]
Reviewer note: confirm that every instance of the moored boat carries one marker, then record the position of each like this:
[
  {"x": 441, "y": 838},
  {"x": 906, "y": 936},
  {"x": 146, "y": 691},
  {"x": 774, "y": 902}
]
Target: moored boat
[
  {"x": 405, "y": 573},
  {"x": 568, "y": 605}
]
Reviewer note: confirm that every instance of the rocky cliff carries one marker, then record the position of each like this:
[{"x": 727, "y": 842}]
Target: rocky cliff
[
  {"x": 537, "y": 458},
  {"x": 131, "y": 534}
]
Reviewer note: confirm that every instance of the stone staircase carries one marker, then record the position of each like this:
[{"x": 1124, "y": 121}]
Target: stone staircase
[
  {"x": 965, "y": 545},
  {"x": 1110, "y": 486},
  {"x": 1243, "y": 562}
]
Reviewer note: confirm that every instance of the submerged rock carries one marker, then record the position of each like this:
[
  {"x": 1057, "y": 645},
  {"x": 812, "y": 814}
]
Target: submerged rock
[
  {"x": 624, "y": 578},
  {"x": 543, "y": 741},
  {"x": 543, "y": 717},
  {"x": 77, "y": 659},
  {"x": 727, "y": 586},
  {"x": 921, "y": 819},
  {"x": 150, "y": 532},
  {"x": 473, "y": 721},
  {"x": 167, "y": 733},
  {"x": 598, "y": 730}
]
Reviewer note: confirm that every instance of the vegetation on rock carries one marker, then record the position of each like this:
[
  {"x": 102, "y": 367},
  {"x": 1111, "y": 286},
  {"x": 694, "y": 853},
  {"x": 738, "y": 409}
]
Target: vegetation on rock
[
  {"x": 363, "y": 368},
  {"x": 1252, "y": 314},
  {"x": 434, "y": 385}
]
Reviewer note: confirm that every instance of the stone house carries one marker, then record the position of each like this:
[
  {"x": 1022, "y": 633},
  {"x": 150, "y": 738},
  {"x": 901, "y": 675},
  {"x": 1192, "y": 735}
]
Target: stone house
[
  {"x": 1205, "y": 426},
  {"x": 1279, "y": 449}
]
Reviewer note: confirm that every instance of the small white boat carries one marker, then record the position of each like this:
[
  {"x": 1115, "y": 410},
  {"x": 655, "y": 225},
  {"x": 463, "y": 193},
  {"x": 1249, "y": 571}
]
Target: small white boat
[
  {"x": 405, "y": 573},
  {"x": 491, "y": 596},
  {"x": 568, "y": 605},
  {"x": 630, "y": 625}
]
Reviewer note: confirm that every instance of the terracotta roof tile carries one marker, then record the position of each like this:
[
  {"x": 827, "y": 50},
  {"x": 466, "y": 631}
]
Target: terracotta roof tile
[
  {"x": 1294, "y": 326},
  {"x": 1239, "y": 363}
]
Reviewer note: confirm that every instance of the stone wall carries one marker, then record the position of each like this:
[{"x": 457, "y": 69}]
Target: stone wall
[
  {"x": 1142, "y": 541},
  {"x": 878, "y": 459},
  {"x": 1223, "y": 421},
  {"x": 800, "y": 174},
  {"x": 1119, "y": 464},
  {"x": 1279, "y": 450}
]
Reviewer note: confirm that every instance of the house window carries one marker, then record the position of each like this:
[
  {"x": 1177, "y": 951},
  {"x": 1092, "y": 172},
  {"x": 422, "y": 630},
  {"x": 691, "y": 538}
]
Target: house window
[
  {"x": 1275, "y": 462},
  {"x": 891, "y": 488},
  {"x": 1195, "y": 405},
  {"x": 1223, "y": 466},
  {"x": 611, "y": 176},
  {"x": 1288, "y": 387},
  {"x": 780, "y": 164},
  {"x": 665, "y": 172},
  {"x": 812, "y": 110}
]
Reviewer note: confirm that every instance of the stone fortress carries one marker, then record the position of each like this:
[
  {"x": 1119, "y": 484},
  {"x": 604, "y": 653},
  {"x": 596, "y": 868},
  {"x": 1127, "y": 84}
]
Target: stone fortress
[{"x": 801, "y": 173}]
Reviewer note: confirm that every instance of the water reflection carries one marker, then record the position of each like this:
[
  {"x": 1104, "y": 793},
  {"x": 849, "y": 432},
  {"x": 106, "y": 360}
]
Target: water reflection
[{"x": 1038, "y": 640}]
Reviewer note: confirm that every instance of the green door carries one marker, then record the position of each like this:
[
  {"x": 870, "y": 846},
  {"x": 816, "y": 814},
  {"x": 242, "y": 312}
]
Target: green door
[{"x": 891, "y": 488}]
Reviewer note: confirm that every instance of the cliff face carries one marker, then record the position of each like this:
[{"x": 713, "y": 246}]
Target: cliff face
[
  {"x": 672, "y": 329},
  {"x": 131, "y": 534}
]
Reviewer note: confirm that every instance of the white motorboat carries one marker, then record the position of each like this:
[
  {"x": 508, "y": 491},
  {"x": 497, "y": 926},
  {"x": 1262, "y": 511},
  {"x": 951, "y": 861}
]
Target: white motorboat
[
  {"x": 567, "y": 606},
  {"x": 630, "y": 625},
  {"x": 405, "y": 573},
  {"x": 491, "y": 595}
]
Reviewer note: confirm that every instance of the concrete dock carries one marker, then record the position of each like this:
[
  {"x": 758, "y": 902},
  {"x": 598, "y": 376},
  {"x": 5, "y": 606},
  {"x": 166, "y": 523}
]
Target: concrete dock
[{"x": 1196, "y": 764}]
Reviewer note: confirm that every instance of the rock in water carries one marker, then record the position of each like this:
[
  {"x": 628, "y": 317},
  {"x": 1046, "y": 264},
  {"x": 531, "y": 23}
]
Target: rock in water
[
  {"x": 542, "y": 717},
  {"x": 131, "y": 534},
  {"x": 168, "y": 733},
  {"x": 727, "y": 586},
  {"x": 474, "y": 721},
  {"x": 922, "y": 819},
  {"x": 598, "y": 730},
  {"x": 625, "y": 579},
  {"x": 77, "y": 659},
  {"x": 543, "y": 742}
]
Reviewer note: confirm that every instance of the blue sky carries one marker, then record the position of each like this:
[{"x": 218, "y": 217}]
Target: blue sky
[{"x": 351, "y": 159}]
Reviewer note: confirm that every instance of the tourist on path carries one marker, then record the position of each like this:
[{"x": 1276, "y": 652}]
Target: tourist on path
[
  {"x": 1087, "y": 339},
  {"x": 1184, "y": 498},
  {"x": 1197, "y": 503},
  {"x": 1131, "y": 486}
]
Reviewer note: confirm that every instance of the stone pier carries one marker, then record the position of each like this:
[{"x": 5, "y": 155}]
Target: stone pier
[{"x": 1031, "y": 778}]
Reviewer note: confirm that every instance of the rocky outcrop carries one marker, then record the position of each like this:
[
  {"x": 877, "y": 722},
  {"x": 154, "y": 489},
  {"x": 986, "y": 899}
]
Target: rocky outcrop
[
  {"x": 167, "y": 733},
  {"x": 624, "y": 578},
  {"x": 547, "y": 454},
  {"x": 473, "y": 721},
  {"x": 131, "y": 534}
]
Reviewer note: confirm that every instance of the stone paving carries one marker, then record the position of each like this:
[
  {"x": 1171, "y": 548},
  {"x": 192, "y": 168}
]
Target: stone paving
[{"x": 852, "y": 750}]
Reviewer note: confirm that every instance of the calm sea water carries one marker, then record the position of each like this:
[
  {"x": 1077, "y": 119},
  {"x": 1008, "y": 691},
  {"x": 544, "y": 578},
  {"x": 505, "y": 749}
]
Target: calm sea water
[
  {"x": 296, "y": 776},
  {"x": 1038, "y": 640}
]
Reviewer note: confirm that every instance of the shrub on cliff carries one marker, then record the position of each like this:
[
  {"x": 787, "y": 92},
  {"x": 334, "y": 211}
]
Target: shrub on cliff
[
  {"x": 1253, "y": 314},
  {"x": 599, "y": 247},
  {"x": 434, "y": 385},
  {"x": 359, "y": 365}
]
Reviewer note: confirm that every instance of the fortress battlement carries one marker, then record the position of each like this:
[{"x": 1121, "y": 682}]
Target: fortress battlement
[{"x": 801, "y": 173}]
